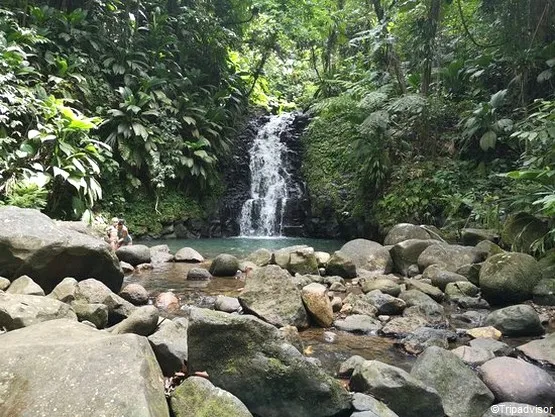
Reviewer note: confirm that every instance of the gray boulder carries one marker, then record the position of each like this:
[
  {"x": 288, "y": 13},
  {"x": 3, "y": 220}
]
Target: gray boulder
[
  {"x": 367, "y": 406},
  {"x": 249, "y": 358},
  {"x": 406, "y": 253},
  {"x": 26, "y": 286},
  {"x": 449, "y": 257},
  {"x": 96, "y": 314},
  {"x": 404, "y": 394},
  {"x": 199, "y": 274},
  {"x": 189, "y": 255},
  {"x": 544, "y": 292},
  {"x": 224, "y": 265},
  {"x": 424, "y": 337},
  {"x": 66, "y": 291},
  {"x": 48, "y": 253},
  {"x": 18, "y": 310},
  {"x": 169, "y": 343},
  {"x": 136, "y": 294},
  {"x": 462, "y": 393},
  {"x": 356, "y": 304},
  {"x": 471, "y": 237},
  {"x": 142, "y": 321},
  {"x": 92, "y": 291},
  {"x": 517, "y": 320},
  {"x": 302, "y": 261},
  {"x": 368, "y": 255},
  {"x": 341, "y": 265},
  {"x": 385, "y": 303},
  {"x": 435, "y": 293},
  {"x": 461, "y": 289},
  {"x": 271, "y": 295},
  {"x": 198, "y": 397},
  {"x": 318, "y": 304},
  {"x": 509, "y": 278},
  {"x": 440, "y": 277},
  {"x": 515, "y": 380},
  {"x": 400, "y": 327},
  {"x": 322, "y": 258},
  {"x": 405, "y": 231},
  {"x": 134, "y": 254},
  {"x": 227, "y": 304},
  {"x": 83, "y": 372},
  {"x": 385, "y": 285},
  {"x": 471, "y": 272},
  {"x": 359, "y": 323},
  {"x": 4, "y": 283},
  {"x": 494, "y": 346},
  {"x": 541, "y": 350},
  {"x": 260, "y": 257},
  {"x": 348, "y": 366},
  {"x": 473, "y": 356}
]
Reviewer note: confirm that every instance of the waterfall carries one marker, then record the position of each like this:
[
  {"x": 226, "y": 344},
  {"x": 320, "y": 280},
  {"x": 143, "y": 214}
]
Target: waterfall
[{"x": 271, "y": 183}]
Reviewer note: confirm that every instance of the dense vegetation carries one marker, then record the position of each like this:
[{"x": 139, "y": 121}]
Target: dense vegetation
[{"x": 435, "y": 111}]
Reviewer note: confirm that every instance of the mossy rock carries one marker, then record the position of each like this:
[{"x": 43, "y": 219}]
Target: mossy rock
[
  {"x": 521, "y": 230},
  {"x": 547, "y": 265}
]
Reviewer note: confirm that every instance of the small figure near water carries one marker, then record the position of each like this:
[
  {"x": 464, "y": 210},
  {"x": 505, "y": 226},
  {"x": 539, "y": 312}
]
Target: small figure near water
[
  {"x": 112, "y": 234},
  {"x": 124, "y": 239}
]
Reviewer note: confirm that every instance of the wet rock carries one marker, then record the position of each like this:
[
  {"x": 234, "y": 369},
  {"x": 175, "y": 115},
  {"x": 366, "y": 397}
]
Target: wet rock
[
  {"x": 449, "y": 257},
  {"x": 190, "y": 255},
  {"x": 248, "y": 358},
  {"x": 227, "y": 304},
  {"x": 509, "y": 278},
  {"x": 135, "y": 294},
  {"x": 405, "y": 231},
  {"x": 462, "y": 393},
  {"x": 142, "y": 321},
  {"x": 117, "y": 375},
  {"x": 368, "y": 255},
  {"x": 341, "y": 265},
  {"x": 348, "y": 366},
  {"x": 303, "y": 261},
  {"x": 49, "y": 253},
  {"x": 424, "y": 337},
  {"x": 518, "y": 320},
  {"x": 435, "y": 293},
  {"x": 97, "y": 314},
  {"x": 406, "y": 253},
  {"x": 542, "y": 350},
  {"x": 494, "y": 346},
  {"x": 440, "y": 278},
  {"x": 517, "y": 381},
  {"x": 400, "y": 327},
  {"x": 92, "y": 291},
  {"x": 134, "y": 254},
  {"x": 260, "y": 257},
  {"x": 169, "y": 343},
  {"x": 19, "y": 310},
  {"x": 318, "y": 304},
  {"x": 473, "y": 356},
  {"x": 385, "y": 303},
  {"x": 26, "y": 286},
  {"x": 224, "y": 265},
  {"x": 198, "y": 274},
  {"x": 544, "y": 292},
  {"x": 198, "y": 397},
  {"x": 166, "y": 301},
  {"x": 271, "y": 295},
  {"x": 404, "y": 394},
  {"x": 386, "y": 286},
  {"x": 359, "y": 323}
]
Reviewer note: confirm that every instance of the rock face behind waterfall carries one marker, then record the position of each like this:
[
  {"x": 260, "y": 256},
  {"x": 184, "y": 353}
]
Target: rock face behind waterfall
[{"x": 32, "y": 244}]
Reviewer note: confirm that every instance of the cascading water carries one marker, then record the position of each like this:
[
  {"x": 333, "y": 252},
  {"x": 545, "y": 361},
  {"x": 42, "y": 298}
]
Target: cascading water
[{"x": 271, "y": 184}]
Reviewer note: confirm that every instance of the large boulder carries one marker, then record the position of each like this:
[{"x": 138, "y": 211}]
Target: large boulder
[
  {"x": 32, "y": 244},
  {"x": 134, "y": 254},
  {"x": 544, "y": 292},
  {"x": 188, "y": 255},
  {"x": 303, "y": 261},
  {"x": 198, "y": 397},
  {"x": 509, "y": 277},
  {"x": 26, "y": 286},
  {"x": 18, "y": 310},
  {"x": 224, "y": 265},
  {"x": 341, "y": 265},
  {"x": 260, "y": 257},
  {"x": 521, "y": 230},
  {"x": 405, "y": 231},
  {"x": 92, "y": 291},
  {"x": 169, "y": 343},
  {"x": 404, "y": 394},
  {"x": 250, "y": 359},
  {"x": 368, "y": 255},
  {"x": 318, "y": 304},
  {"x": 135, "y": 293},
  {"x": 471, "y": 237},
  {"x": 449, "y": 257},
  {"x": 198, "y": 274},
  {"x": 406, "y": 253},
  {"x": 515, "y": 380},
  {"x": 542, "y": 350},
  {"x": 517, "y": 320},
  {"x": 271, "y": 295},
  {"x": 83, "y": 372},
  {"x": 385, "y": 304},
  {"x": 143, "y": 321},
  {"x": 461, "y": 391}
]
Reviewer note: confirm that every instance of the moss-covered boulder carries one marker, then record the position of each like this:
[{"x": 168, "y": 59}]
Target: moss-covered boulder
[
  {"x": 299, "y": 259},
  {"x": 471, "y": 236},
  {"x": 517, "y": 320},
  {"x": 547, "y": 265},
  {"x": 271, "y": 294},
  {"x": 509, "y": 278},
  {"x": 250, "y": 359},
  {"x": 449, "y": 257},
  {"x": 405, "y": 231},
  {"x": 224, "y": 265},
  {"x": 341, "y": 265},
  {"x": 521, "y": 230},
  {"x": 544, "y": 292},
  {"x": 198, "y": 397},
  {"x": 260, "y": 257}
]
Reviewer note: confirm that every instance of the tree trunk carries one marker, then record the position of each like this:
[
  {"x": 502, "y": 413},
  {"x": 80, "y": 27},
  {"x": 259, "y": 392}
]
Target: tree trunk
[{"x": 432, "y": 27}]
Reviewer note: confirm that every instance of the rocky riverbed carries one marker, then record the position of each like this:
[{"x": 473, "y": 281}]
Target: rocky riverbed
[{"x": 416, "y": 327}]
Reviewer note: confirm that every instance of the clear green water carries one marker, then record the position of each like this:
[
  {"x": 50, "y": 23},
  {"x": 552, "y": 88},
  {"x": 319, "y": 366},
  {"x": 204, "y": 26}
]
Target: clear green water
[{"x": 241, "y": 246}]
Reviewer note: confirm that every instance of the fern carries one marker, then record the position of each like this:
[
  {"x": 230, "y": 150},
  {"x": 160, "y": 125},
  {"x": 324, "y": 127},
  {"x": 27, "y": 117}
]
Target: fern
[{"x": 409, "y": 104}]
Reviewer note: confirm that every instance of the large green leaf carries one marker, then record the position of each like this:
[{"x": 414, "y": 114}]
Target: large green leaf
[{"x": 488, "y": 140}]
